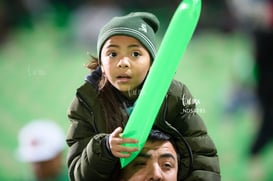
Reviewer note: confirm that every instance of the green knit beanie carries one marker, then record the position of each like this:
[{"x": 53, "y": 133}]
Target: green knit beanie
[{"x": 139, "y": 25}]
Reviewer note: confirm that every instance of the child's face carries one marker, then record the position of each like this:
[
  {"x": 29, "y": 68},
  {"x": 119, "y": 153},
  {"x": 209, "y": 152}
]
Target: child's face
[{"x": 125, "y": 62}]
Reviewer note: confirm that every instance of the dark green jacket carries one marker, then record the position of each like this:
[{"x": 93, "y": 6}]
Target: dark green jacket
[{"x": 89, "y": 158}]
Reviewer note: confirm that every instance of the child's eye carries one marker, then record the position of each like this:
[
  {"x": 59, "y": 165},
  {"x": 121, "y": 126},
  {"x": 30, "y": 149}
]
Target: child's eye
[
  {"x": 135, "y": 54},
  {"x": 112, "y": 54}
]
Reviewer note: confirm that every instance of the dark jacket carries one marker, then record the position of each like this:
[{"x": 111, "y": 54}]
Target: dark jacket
[{"x": 88, "y": 156}]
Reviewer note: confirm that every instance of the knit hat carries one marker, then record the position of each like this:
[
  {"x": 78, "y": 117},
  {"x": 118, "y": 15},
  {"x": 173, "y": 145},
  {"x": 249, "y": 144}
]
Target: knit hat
[
  {"x": 40, "y": 140},
  {"x": 139, "y": 25}
]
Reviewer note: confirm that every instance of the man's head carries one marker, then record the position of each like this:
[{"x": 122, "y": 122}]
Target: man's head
[
  {"x": 158, "y": 160},
  {"x": 41, "y": 144}
]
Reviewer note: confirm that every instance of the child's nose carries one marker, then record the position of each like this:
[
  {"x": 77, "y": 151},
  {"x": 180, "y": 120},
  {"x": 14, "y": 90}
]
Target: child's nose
[{"x": 124, "y": 62}]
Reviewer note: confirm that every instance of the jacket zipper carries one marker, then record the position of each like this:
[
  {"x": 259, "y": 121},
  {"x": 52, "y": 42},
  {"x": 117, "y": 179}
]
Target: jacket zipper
[{"x": 188, "y": 147}]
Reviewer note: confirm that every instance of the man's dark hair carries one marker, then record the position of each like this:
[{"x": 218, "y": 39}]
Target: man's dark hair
[{"x": 157, "y": 135}]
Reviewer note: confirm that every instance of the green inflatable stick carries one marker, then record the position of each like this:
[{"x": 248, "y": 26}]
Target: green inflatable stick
[{"x": 170, "y": 53}]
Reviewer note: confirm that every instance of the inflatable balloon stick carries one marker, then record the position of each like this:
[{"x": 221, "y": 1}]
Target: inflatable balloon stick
[{"x": 170, "y": 53}]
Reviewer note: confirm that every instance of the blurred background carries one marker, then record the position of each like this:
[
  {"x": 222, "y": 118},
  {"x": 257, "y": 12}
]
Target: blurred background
[{"x": 43, "y": 49}]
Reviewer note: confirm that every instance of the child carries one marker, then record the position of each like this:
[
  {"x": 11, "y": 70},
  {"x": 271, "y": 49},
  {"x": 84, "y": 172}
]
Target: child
[{"x": 126, "y": 49}]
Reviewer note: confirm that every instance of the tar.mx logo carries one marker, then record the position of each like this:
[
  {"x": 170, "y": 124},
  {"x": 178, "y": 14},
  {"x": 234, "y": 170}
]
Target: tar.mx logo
[
  {"x": 187, "y": 105},
  {"x": 35, "y": 72}
]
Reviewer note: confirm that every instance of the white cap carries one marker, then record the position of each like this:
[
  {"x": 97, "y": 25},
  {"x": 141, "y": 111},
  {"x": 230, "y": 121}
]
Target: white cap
[{"x": 40, "y": 140}]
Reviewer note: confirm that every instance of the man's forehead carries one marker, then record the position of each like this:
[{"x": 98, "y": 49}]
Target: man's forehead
[{"x": 159, "y": 147}]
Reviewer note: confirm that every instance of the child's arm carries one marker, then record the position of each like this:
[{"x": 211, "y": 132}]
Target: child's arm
[{"x": 88, "y": 157}]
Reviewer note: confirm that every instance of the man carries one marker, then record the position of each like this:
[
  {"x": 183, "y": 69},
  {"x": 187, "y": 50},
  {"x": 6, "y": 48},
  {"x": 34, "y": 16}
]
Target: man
[
  {"x": 158, "y": 160},
  {"x": 41, "y": 144}
]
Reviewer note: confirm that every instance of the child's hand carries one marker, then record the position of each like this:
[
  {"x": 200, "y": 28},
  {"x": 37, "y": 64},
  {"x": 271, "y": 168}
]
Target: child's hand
[{"x": 115, "y": 142}]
